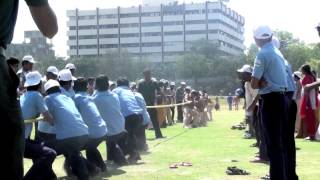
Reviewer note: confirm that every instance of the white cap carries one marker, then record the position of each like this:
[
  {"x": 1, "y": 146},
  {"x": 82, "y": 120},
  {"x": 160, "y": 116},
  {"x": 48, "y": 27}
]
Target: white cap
[
  {"x": 262, "y": 32},
  {"x": 183, "y": 83},
  {"x": 172, "y": 84},
  {"x": 133, "y": 84},
  {"x": 298, "y": 74},
  {"x": 111, "y": 83},
  {"x": 32, "y": 79},
  {"x": 28, "y": 58},
  {"x": 70, "y": 66},
  {"x": 65, "y": 75},
  {"x": 54, "y": 70},
  {"x": 51, "y": 83},
  {"x": 276, "y": 42},
  {"x": 245, "y": 68}
]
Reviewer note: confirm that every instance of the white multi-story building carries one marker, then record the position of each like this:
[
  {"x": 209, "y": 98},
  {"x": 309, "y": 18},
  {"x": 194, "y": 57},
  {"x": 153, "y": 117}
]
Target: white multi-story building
[{"x": 158, "y": 32}]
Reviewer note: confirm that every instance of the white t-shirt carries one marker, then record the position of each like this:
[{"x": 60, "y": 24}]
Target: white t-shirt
[{"x": 250, "y": 95}]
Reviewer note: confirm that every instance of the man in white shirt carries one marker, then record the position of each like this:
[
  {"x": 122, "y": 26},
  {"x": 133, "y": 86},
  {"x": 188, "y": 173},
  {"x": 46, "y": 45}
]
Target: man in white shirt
[{"x": 250, "y": 93}]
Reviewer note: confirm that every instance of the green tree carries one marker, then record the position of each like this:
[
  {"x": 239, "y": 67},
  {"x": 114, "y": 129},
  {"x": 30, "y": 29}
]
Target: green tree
[
  {"x": 315, "y": 64},
  {"x": 193, "y": 66},
  {"x": 252, "y": 53},
  {"x": 297, "y": 54}
]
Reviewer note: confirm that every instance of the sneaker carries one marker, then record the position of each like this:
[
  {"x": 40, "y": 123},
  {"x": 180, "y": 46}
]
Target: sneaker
[{"x": 309, "y": 138}]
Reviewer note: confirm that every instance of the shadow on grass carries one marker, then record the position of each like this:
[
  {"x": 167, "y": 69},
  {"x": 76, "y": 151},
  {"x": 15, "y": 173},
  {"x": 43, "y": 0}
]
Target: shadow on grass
[
  {"x": 151, "y": 139},
  {"x": 112, "y": 170},
  {"x": 145, "y": 152}
]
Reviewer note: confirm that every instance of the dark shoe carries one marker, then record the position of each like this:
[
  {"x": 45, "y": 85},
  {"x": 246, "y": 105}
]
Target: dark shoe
[
  {"x": 266, "y": 177},
  {"x": 103, "y": 167},
  {"x": 161, "y": 137},
  {"x": 254, "y": 145},
  {"x": 236, "y": 171},
  {"x": 95, "y": 171},
  {"x": 134, "y": 158},
  {"x": 259, "y": 160}
]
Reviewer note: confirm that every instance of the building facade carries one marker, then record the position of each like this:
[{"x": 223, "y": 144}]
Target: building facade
[
  {"x": 34, "y": 44},
  {"x": 158, "y": 32}
]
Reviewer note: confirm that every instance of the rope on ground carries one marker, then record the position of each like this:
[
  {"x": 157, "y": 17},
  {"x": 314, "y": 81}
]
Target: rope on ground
[
  {"x": 30, "y": 121},
  {"x": 168, "y": 139},
  {"x": 169, "y": 105}
]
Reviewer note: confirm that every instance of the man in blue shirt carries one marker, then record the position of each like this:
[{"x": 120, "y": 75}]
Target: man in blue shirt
[
  {"x": 71, "y": 131},
  {"x": 269, "y": 76},
  {"x": 46, "y": 131},
  {"x": 141, "y": 132},
  {"x": 132, "y": 113},
  {"x": 66, "y": 82},
  {"x": 109, "y": 107},
  {"x": 32, "y": 105},
  {"x": 292, "y": 115},
  {"x": 91, "y": 116}
]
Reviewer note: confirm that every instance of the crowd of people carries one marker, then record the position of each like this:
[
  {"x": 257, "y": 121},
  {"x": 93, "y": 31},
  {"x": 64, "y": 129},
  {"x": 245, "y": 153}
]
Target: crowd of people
[
  {"x": 280, "y": 105},
  {"x": 80, "y": 113}
]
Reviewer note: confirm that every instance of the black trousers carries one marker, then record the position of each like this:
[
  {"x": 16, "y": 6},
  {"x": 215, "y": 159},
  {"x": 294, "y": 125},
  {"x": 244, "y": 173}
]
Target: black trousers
[
  {"x": 263, "y": 153},
  {"x": 132, "y": 124},
  {"x": 291, "y": 145},
  {"x": 12, "y": 127},
  {"x": 93, "y": 154},
  {"x": 42, "y": 158},
  {"x": 172, "y": 113},
  {"x": 155, "y": 123},
  {"x": 45, "y": 137},
  {"x": 180, "y": 112},
  {"x": 71, "y": 148},
  {"x": 114, "y": 150},
  {"x": 141, "y": 138},
  {"x": 274, "y": 113}
]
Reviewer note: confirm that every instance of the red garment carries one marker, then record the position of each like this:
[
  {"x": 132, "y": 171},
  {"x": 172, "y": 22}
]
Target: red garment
[{"x": 306, "y": 112}]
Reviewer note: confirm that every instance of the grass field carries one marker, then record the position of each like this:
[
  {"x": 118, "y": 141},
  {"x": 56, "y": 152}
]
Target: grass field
[{"x": 210, "y": 149}]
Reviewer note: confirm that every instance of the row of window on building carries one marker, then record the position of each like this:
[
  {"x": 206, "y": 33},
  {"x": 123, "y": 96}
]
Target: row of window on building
[
  {"x": 155, "y": 34},
  {"x": 153, "y": 24},
  {"x": 149, "y": 44},
  {"x": 145, "y": 14},
  {"x": 226, "y": 11}
]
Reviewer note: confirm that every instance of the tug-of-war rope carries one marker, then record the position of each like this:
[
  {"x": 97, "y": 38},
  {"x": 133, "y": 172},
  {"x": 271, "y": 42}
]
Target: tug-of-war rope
[{"x": 29, "y": 121}]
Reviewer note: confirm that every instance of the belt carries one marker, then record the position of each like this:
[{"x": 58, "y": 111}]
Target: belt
[
  {"x": 280, "y": 92},
  {"x": 275, "y": 93},
  {"x": 2, "y": 51}
]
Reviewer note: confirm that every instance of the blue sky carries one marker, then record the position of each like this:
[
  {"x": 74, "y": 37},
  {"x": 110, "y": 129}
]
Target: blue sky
[{"x": 296, "y": 16}]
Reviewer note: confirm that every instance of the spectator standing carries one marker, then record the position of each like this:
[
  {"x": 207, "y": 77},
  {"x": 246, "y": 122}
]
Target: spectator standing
[
  {"x": 148, "y": 88},
  {"x": 179, "y": 98},
  {"x": 230, "y": 101}
]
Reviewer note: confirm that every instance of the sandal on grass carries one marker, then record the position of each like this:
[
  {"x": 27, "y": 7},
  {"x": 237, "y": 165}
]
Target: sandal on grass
[
  {"x": 173, "y": 166},
  {"x": 186, "y": 164},
  {"x": 236, "y": 171}
]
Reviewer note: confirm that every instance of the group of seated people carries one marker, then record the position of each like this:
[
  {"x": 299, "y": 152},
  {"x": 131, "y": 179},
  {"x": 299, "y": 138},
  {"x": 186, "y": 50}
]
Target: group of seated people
[{"x": 75, "y": 118}]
